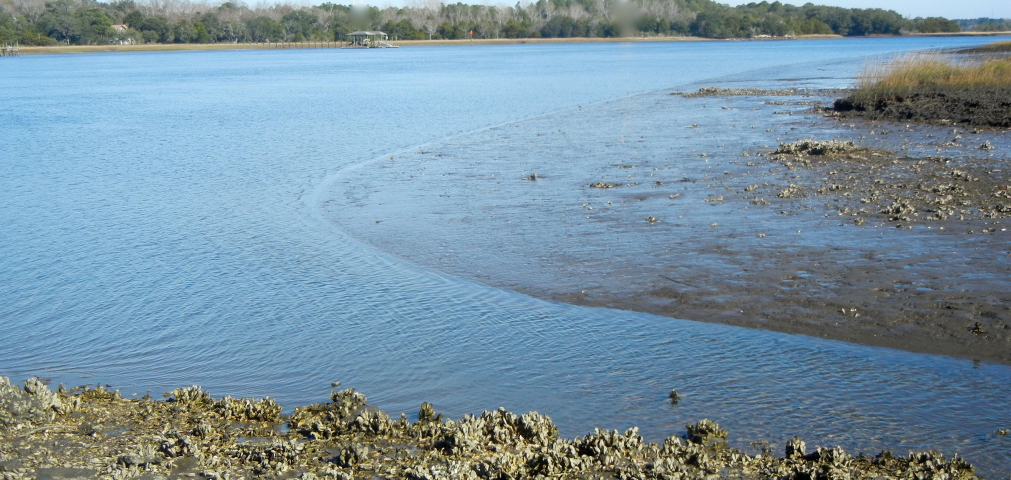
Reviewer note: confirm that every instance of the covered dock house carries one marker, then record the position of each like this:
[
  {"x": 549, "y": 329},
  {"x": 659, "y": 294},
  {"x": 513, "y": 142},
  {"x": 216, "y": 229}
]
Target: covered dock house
[{"x": 369, "y": 39}]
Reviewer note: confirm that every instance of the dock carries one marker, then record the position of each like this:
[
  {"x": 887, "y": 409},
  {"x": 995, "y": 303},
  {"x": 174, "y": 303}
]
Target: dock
[
  {"x": 316, "y": 44},
  {"x": 9, "y": 50},
  {"x": 369, "y": 39}
]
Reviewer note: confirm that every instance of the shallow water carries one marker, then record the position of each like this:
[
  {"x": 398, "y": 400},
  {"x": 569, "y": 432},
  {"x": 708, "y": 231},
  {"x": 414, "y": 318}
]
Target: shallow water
[{"x": 162, "y": 227}]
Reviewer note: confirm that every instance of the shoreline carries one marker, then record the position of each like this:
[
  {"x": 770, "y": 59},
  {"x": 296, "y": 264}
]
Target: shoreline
[
  {"x": 181, "y": 47},
  {"x": 86, "y": 432}
]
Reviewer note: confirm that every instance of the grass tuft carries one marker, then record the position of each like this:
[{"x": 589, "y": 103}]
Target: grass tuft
[{"x": 925, "y": 73}]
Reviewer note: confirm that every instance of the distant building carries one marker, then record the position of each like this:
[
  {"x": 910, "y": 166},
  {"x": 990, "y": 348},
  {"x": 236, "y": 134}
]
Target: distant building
[{"x": 121, "y": 36}]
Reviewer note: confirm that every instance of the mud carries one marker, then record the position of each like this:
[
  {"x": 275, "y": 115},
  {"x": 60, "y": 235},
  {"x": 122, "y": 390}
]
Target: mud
[
  {"x": 975, "y": 107},
  {"x": 97, "y": 433}
]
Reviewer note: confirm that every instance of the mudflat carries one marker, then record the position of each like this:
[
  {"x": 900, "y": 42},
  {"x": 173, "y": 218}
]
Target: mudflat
[
  {"x": 707, "y": 206},
  {"x": 937, "y": 287}
]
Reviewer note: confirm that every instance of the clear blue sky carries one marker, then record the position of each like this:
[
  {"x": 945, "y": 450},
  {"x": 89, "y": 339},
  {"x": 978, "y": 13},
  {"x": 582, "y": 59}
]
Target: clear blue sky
[{"x": 921, "y": 8}]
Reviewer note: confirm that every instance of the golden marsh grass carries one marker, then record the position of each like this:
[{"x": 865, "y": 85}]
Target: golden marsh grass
[{"x": 931, "y": 73}]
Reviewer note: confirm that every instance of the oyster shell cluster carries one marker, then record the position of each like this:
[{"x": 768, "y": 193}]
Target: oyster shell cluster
[
  {"x": 816, "y": 147},
  {"x": 904, "y": 189},
  {"x": 733, "y": 92},
  {"x": 92, "y": 432}
]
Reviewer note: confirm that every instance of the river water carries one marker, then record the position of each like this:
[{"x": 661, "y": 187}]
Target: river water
[{"x": 166, "y": 220}]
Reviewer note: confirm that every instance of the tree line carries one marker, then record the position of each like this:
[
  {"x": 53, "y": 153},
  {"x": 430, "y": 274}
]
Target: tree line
[
  {"x": 985, "y": 24},
  {"x": 84, "y": 22}
]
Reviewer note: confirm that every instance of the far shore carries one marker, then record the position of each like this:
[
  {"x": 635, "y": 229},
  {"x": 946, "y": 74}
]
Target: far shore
[{"x": 174, "y": 47}]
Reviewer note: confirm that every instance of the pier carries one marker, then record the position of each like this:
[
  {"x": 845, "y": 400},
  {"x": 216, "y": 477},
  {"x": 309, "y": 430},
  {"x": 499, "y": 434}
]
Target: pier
[
  {"x": 9, "y": 50},
  {"x": 315, "y": 44},
  {"x": 369, "y": 39}
]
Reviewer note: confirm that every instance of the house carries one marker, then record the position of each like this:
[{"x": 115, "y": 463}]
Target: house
[{"x": 121, "y": 36}]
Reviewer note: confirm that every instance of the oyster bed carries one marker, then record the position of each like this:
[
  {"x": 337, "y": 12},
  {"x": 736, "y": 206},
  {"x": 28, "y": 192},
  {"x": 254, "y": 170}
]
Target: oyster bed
[{"x": 93, "y": 432}]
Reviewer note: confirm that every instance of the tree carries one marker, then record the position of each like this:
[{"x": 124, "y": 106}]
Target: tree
[
  {"x": 8, "y": 29},
  {"x": 876, "y": 21},
  {"x": 300, "y": 25},
  {"x": 95, "y": 26},
  {"x": 183, "y": 32},
  {"x": 935, "y": 25},
  {"x": 165, "y": 21},
  {"x": 708, "y": 24},
  {"x": 58, "y": 21},
  {"x": 202, "y": 35},
  {"x": 159, "y": 29},
  {"x": 264, "y": 29},
  {"x": 134, "y": 19},
  {"x": 403, "y": 30}
]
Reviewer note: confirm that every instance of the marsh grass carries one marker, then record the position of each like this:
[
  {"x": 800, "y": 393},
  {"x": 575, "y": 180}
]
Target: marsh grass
[
  {"x": 996, "y": 47},
  {"x": 932, "y": 74}
]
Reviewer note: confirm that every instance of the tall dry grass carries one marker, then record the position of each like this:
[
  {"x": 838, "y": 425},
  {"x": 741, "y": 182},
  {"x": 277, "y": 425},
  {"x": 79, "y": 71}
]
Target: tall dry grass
[{"x": 931, "y": 73}]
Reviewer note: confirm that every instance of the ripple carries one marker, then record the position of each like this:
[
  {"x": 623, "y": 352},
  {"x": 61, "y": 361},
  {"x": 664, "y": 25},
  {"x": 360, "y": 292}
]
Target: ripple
[{"x": 160, "y": 229}]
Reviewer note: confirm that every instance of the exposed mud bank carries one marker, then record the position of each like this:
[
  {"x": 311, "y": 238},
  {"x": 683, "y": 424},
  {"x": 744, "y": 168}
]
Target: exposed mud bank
[
  {"x": 974, "y": 107},
  {"x": 96, "y": 433}
]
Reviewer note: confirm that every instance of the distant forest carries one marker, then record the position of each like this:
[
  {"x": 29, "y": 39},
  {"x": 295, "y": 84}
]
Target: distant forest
[
  {"x": 89, "y": 22},
  {"x": 985, "y": 25}
]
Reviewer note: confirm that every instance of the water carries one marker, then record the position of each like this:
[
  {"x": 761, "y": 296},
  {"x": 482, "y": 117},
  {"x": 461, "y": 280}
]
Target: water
[{"x": 162, "y": 226}]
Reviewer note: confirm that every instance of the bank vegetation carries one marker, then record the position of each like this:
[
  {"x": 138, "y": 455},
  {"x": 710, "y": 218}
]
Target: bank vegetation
[
  {"x": 91, "y": 22},
  {"x": 963, "y": 89}
]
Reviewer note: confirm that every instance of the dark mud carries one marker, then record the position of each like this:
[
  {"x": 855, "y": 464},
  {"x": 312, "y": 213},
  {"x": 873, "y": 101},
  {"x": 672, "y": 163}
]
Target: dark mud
[
  {"x": 96, "y": 433},
  {"x": 975, "y": 107}
]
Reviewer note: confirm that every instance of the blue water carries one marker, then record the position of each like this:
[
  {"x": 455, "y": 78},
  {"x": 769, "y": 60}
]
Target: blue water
[{"x": 162, "y": 226}]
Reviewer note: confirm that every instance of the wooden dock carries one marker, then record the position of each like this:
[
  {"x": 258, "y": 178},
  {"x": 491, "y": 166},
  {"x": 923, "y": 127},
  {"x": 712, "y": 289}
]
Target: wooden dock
[
  {"x": 307, "y": 44},
  {"x": 374, "y": 43},
  {"x": 9, "y": 50}
]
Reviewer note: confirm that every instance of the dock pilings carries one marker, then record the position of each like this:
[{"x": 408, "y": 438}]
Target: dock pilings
[{"x": 10, "y": 50}]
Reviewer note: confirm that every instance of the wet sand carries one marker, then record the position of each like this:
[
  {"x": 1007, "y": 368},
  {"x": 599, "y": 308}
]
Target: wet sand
[{"x": 676, "y": 205}]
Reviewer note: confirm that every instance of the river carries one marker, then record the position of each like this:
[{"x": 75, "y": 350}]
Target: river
[{"x": 165, "y": 223}]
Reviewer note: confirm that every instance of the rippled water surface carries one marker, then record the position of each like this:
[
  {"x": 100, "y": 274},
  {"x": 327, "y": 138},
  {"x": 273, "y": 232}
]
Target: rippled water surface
[{"x": 161, "y": 226}]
